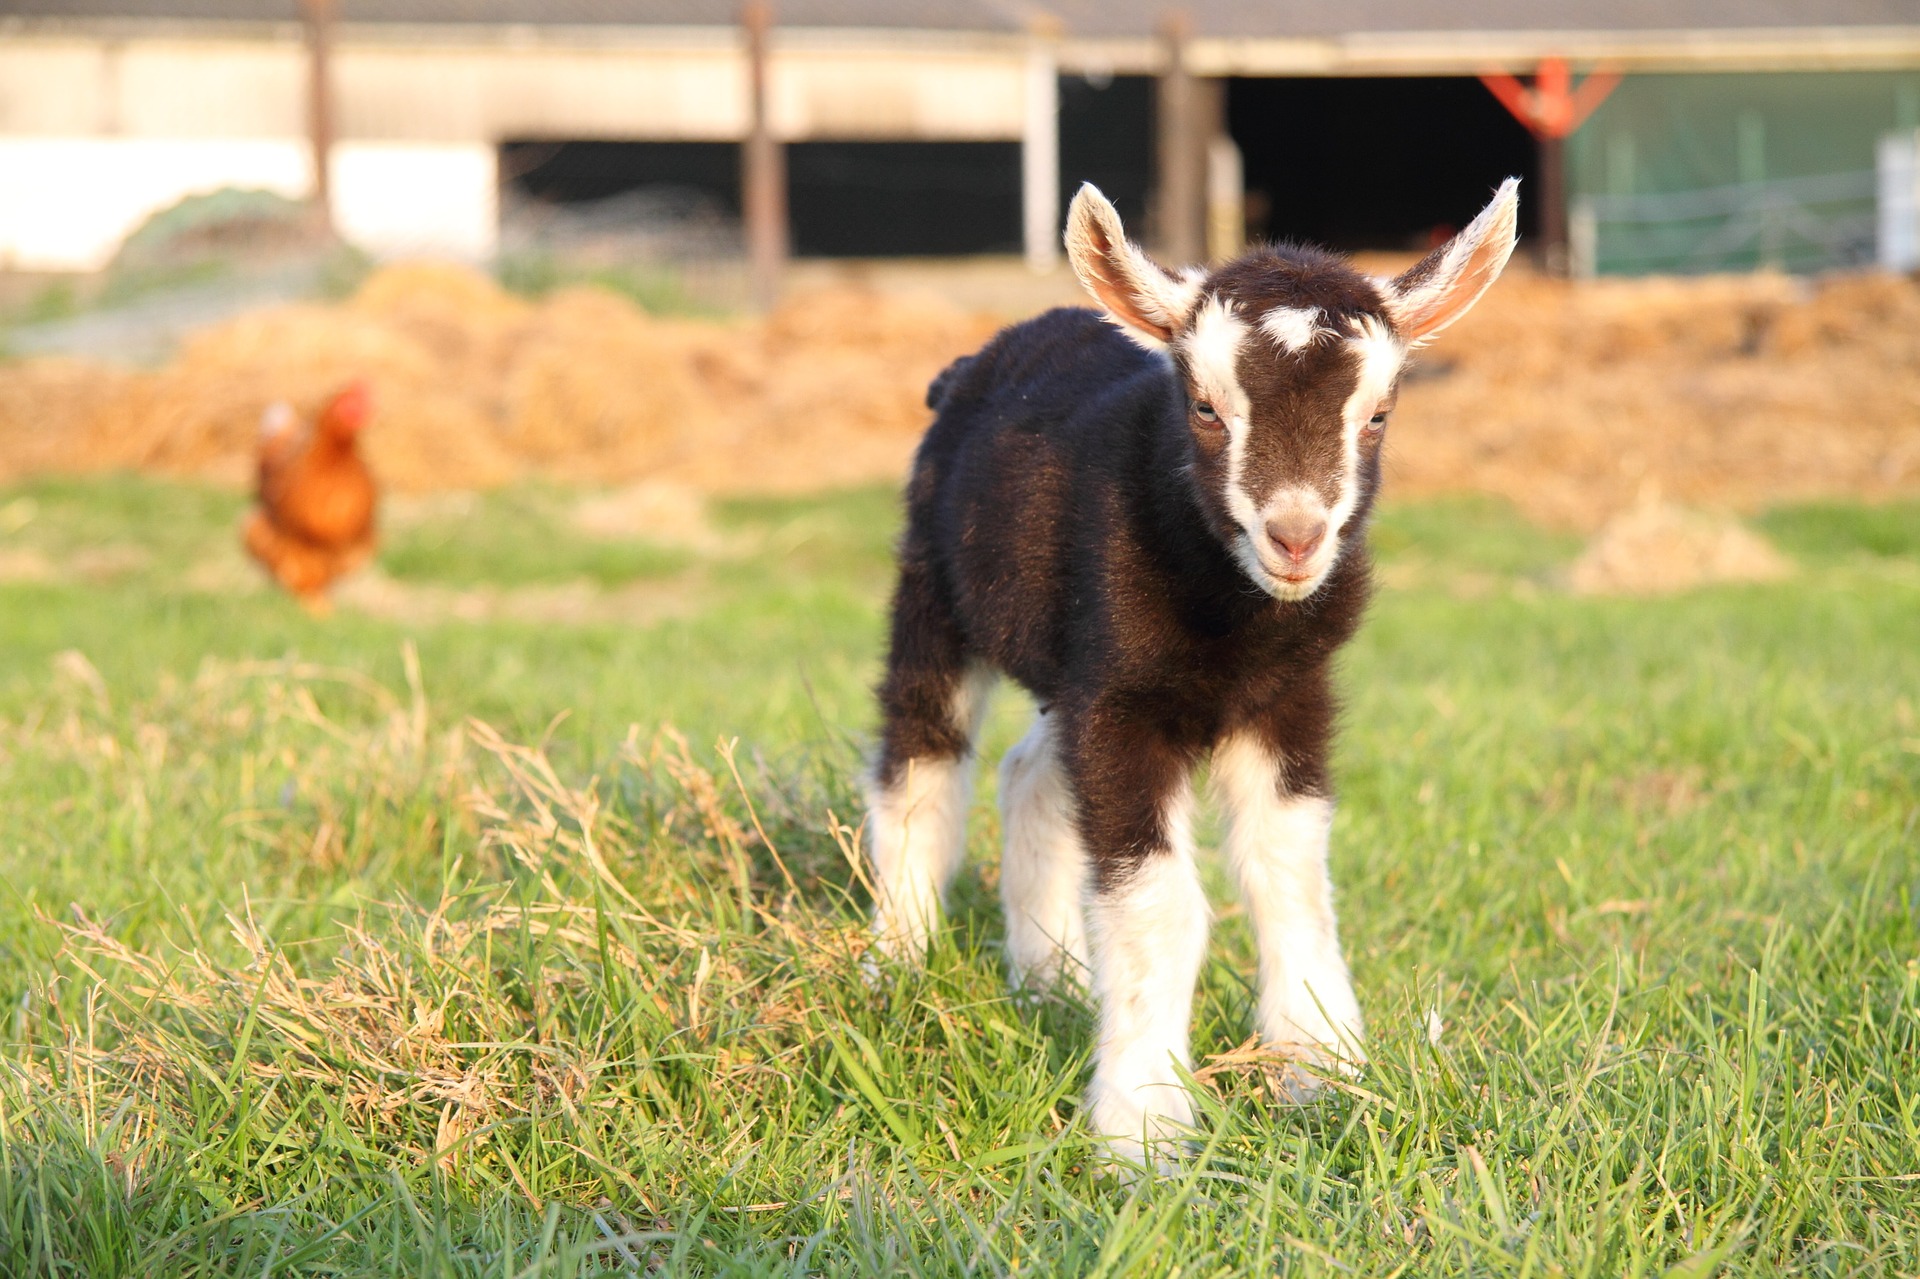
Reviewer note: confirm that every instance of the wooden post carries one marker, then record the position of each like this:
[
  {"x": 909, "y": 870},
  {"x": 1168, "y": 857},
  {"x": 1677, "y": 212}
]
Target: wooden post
[
  {"x": 1226, "y": 199},
  {"x": 1553, "y": 204},
  {"x": 763, "y": 170},
  {"x": 319, "y": 20},
  {"x": 1551, "y": 110},
  {"x": 1040, "y": 154},
  {"x": 1223, "y": 197},
  {"x": 1181, "y": 154}
]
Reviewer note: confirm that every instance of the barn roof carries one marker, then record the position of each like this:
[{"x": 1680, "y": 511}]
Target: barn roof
[{"x": 1082, "y": 18}]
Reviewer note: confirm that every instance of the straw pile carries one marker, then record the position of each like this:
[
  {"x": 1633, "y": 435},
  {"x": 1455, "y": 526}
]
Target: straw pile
[
  {"x": 477, "y": 387},
  {"x": 1729, "y": 392},
  {"x": 1655, "y": 548},
  {"x": 1570, "y": 400}
]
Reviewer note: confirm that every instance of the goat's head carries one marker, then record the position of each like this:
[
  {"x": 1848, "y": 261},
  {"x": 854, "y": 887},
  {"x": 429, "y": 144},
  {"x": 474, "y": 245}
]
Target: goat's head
[{"x": 1290, "y": 359}]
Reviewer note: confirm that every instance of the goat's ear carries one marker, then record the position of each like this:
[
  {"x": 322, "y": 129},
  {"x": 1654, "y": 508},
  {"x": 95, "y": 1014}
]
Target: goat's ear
[
  {"x": 1136, "y": 291},
  {"x": 1444, "y": 285}
]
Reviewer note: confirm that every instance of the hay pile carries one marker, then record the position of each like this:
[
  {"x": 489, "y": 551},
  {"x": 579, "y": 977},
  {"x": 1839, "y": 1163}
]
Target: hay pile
[
  {"x": 1725, "y": 393},
  {"x": 477, "y": 387},
  {"x": 1656, "y": 548},
  {"x": 1728, "y": 392}
]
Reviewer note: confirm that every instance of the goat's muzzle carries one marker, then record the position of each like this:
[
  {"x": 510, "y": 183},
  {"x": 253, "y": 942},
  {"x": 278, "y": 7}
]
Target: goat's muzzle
[{"x": 1294, "y": 536}]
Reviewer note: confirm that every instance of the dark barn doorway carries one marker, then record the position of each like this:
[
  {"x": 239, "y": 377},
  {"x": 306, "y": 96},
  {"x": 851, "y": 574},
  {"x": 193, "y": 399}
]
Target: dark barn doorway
[
  {"x": 1106, "y": 138},
  {"x": 581, "y": 172},
  {"x": 903, "y": 199},
  {"x": 1376, "y": 163},
  {"x": 845, "y": 199}
]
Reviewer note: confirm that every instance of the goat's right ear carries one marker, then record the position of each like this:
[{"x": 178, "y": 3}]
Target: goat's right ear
[{"x": 1137, "y": 292}]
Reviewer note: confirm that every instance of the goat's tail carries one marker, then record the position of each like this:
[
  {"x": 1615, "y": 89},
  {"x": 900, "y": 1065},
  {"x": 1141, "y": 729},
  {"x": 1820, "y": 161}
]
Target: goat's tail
[{"x": 942, "y": 384}]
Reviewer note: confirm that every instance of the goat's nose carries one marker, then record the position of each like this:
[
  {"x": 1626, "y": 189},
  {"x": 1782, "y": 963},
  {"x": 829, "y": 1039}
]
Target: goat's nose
[{"x": 1297, "y": 533}]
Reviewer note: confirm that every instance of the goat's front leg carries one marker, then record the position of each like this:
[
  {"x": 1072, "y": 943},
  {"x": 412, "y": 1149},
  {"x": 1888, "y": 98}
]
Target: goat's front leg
[
  {"x": 1277, "y": 844},
  {"x": 1147, "y": 928}
]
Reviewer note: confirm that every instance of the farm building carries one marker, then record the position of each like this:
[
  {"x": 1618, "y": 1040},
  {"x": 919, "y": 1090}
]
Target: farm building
[{"x": 1739, "y": 132}]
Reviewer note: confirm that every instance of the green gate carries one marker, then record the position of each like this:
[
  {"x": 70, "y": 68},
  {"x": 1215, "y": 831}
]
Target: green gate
[{"x": 1732, "y": 172}]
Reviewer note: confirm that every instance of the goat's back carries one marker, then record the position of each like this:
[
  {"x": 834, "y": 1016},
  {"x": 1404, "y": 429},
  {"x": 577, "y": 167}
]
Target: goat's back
[{"x": 1054, "y": 450}]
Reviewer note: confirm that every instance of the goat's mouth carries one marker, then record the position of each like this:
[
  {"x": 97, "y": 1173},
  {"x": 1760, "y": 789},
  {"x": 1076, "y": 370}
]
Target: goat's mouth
[
  {"x": 1284, "y": 580},
  {"x": 1291, "y": 587}
]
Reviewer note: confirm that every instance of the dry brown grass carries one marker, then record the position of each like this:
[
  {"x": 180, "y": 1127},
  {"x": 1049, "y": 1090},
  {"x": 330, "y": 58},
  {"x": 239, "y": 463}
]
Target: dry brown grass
[
  {"x": 1570, "y": 400},
  {"x": 1727, "y": 392},
  {"x": 1655, "y": 548},
  {"x": 436, "y": 1031},
  {"x": 477, "y": 387}
]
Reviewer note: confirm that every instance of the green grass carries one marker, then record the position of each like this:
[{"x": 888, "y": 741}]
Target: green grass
[
  {"x": 657, "y": 288},
  {"x": 1831, "y": 529},
  {"x": 509, "y": 538},
  {"x": 308, "y": 971}
]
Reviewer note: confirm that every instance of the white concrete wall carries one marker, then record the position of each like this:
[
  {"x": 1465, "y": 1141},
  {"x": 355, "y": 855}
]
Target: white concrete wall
[
  {"x": 409, "y": 199},
  {"x": 67, "y": 204}
]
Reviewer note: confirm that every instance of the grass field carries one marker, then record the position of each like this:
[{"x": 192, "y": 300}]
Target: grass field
[{"x": 447, "y": 947}]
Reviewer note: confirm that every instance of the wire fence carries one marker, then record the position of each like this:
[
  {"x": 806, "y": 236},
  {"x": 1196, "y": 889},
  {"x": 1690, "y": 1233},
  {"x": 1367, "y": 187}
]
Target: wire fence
[{"x": 1819, "y": 223}]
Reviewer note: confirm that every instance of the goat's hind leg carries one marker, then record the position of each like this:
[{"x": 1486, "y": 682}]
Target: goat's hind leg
[
  {"x": 917, "y": 797},
  {"x": 1043, "y": 870}
]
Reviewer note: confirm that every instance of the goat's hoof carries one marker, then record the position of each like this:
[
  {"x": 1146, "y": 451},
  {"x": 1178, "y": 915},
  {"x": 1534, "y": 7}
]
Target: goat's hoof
[
  {"x": 1305, "y": 1073},
  {"x": 1296, "y": 1083},
  {"x": 1039, "y": 985},
  {"x": 1141, "y": 1139},
  {"x": 888, "y": 951},
  {"x": 1128, "y": 1161}
]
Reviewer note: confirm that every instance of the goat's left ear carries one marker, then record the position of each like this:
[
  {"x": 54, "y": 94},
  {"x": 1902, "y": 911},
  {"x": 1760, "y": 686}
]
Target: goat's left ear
[
  {"x": 1148, "y": 302},
  {"x": 1444, "y": 285}
]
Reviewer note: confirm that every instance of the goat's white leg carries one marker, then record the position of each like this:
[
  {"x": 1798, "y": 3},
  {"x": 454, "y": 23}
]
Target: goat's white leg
[
  {"x": 1277, "y": 845},
  {"x": 1043, "y": 870},
  {"x": 1149, "y": 937},
  {"x": 917, "y": 831}
]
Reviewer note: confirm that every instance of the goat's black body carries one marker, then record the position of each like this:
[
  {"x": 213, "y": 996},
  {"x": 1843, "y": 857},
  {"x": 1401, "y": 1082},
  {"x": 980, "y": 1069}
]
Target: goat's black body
[{"x": 1054, "y": 532}]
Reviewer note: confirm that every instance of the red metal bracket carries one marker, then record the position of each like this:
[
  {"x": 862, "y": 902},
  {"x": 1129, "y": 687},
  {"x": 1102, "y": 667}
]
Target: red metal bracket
[{"x": 1553, "y": 107}]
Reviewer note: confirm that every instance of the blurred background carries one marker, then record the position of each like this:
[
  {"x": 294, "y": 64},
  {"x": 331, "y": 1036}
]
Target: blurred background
[{"x": 791, "y": 219}]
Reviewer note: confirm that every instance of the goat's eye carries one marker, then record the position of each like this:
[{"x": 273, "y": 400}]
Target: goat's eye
[
  {"x": 1204, "y": 411},
  {"x": 1378, "y": 420}
]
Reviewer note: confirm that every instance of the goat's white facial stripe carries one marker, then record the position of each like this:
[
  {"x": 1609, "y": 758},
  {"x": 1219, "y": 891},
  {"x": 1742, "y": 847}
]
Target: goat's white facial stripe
[
  {"x": 1379, "y": 354},
  {"x": 1213, "y": 355},
  {"x": 1212, "y": 348},
  {"x": 1293, "y": 328}
]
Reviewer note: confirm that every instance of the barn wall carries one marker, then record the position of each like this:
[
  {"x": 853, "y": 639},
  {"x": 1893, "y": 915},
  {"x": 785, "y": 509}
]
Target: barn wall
[
  {"x": 97, "y": 133},
  {"x": 681, "y": 90}
]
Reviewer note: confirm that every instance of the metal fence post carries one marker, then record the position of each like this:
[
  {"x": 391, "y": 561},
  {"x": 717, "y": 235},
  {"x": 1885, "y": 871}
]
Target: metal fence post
[{"x": 1897, "y": 201}]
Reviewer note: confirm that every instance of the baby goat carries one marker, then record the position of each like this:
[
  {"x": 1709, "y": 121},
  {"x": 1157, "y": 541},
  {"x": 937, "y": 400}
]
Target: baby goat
[{"x": 1157, "y": 526}]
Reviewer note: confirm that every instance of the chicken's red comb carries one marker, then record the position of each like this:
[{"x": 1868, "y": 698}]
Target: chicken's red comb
[{"x": 352, "y": 405}]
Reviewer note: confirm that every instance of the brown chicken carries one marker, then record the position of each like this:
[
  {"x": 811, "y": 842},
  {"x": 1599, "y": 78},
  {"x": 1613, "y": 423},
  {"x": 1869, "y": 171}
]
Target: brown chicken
[{"x": 315, "y": 520}]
